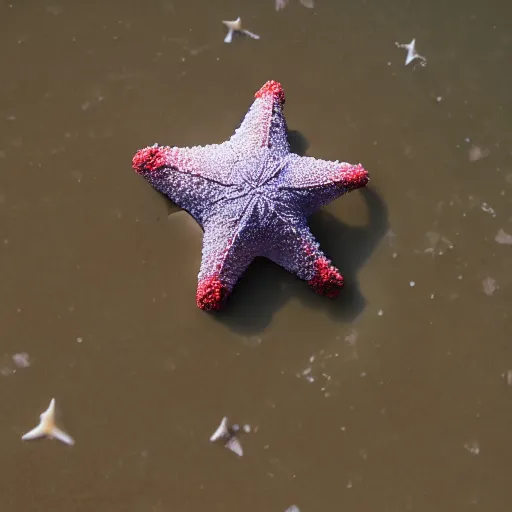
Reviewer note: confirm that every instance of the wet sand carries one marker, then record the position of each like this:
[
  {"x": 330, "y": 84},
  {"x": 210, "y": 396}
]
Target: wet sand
[{"x": 394, "y": 397}]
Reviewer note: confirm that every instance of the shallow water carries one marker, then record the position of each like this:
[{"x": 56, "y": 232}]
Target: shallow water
[{"x": 395, "y": 397}]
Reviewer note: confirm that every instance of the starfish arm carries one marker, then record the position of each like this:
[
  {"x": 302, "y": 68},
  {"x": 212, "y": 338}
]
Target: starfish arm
[
  {"x": 264, "y": 127},
  {"x": 317, "y": 182},
  {"x": 62, "y": 436},
  {"x": 299, "y": 253},
  {"x": 35, "y": 433},
  {"x": 227, "y": 252},
  {"x": 195, "y": 178}
]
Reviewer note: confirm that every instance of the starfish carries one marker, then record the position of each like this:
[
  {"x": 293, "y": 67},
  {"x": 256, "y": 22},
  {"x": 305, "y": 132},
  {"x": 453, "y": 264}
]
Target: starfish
[
  {"x": 48, "y": 428},
  {"x": 252, "y": 196}
]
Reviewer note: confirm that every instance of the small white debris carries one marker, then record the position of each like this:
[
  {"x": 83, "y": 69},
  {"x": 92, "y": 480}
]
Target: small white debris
[
  {"x": 472, "y": 448},
  {"x": 310, "y": 378},
  {"x": 380, "y": 312},
  {"x": 395, "y": 255},
  {"x": 5, "y": 371},
  {"x": 234, "y": 445},
  {"x": 247, "y": 428},
  {"x": 412, "y": 284},
  {"x": 489, "y": 286},
  {"x": 488, "y": 209},
  {"x": 432, "y": 295},
  {"x": 281, "y": 4},
  {"x": 222, "y": 430},
  {"x": 293, "y": 508},
  {"x": 79, "y": 340},
  {"x": 252, "y": 341},
  {"x": 503, "y": 238},
  {"x": 509, "y": 377},
  {"x": 235, "y": 27},
  {"x": 225, "y": 434},
  {"x": 412, "y": 54},
  {"x": 351, "y": 338},
  {"x": 21, "y": 360},
  {"x": 477, "y": 153},
  {"x": 235, "y": 427},
  {"x": 439, "y": 99},
  {"x": 312, "y": 359},
  {"x": 349, "y": 484}
]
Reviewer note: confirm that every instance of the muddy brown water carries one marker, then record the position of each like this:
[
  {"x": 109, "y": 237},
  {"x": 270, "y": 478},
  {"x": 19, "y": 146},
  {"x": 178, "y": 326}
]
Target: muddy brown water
[{"x": 394, "y": 397}]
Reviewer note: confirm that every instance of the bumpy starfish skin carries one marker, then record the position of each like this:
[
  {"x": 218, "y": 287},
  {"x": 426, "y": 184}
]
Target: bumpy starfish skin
[{"x": 252, "y": 197}]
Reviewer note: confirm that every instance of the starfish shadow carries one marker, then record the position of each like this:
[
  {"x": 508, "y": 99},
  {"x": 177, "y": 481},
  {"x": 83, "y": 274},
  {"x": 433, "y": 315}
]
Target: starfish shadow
[{"x": 265, "y": 287}]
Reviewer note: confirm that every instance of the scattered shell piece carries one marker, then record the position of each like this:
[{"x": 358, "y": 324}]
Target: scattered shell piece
[
  {"x": 489, "y": 285},
  {"x": 351, "y": 338},
  {"x": 234, "y": 445},
  {"x": 222, "y": 431},
  {"x": 437, "y": 243},
  {"x": 293, "y": 508},
  {"x": 488, "y": 209},
  {"x": 226, "y": 434},
  {"x": 246, "y": 428},
  {"x": 253, "y": 341},
  {"x": 235, "y": 27},
  {"x": 48, "y": 428},
  {"x": 21, "y": 360},
  {"x": 503, "y": 238},
  {"x": 412, "y": 54},
  {"x": 477, "y": 153},
  {"x": 412, "y": 284},
  {"x": 281, "y": 4},
  {"x": 380, "y": 312},
  {"x": 472, "y": 448}
]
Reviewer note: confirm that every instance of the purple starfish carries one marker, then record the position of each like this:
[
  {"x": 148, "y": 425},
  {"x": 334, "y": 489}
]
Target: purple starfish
[{"x": 252, "y": 197}]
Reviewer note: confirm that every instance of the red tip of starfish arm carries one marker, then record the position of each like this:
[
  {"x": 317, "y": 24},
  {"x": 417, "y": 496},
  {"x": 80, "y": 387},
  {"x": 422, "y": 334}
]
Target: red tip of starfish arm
[
  {"x": 273, "y": 88},
  {"x": 150, "y": 158},
  {"x": 211, "y": 294},
  {"x": 353, "y": 176},
  {"x": 327, "y": 280}
]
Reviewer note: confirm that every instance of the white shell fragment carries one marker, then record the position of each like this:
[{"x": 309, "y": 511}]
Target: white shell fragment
[
  {"x": 489, "y": 286},
  {"x": 293, "y": 508},
  {"x": 236, "y": 27},
  {"x": 48, "y": 428},
  {"x": 281, "y": 4},
  {"x": 225, "y": 434},
  {"x": 502, "y": 237},
  {"x": 412, "y": 54},
  {"x": 234, "y": 445},
  {"x": 221, "y": 432},
  {"x": 21, "y": 360}
]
